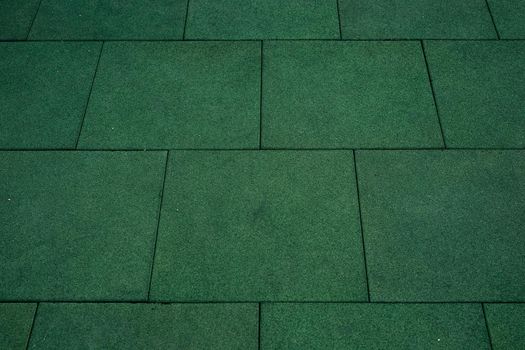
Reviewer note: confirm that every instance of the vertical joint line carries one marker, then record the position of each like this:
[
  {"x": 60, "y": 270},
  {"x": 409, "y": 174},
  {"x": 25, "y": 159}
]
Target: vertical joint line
[
  {"x": 433, "y": 94},
  {"x": 33, "y": 20},
  {"x": 259, "y": 326},
  {"x": 339, "y": 20},
  {"x": 32, "y": 326},
  {"x": 487, "y": 325},
  {"x": 361, "y": 225},
  {"x": 492, "y": 18},
  {"x": 186, "y": 20},
  {"x": 261, "y": 99},
  {"x": 158, "y": 223}
]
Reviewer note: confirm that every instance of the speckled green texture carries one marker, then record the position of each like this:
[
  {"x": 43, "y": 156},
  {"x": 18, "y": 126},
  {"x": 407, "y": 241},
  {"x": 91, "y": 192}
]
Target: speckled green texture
[
  {"x": 143, "y": 326},
  {"x": 347, "y": 94},
  {"x": 251, "y": 226},
  {"x": 373, "y": 326},
  {"x": 15, "y": 325},
  {"x": 44, "y": 91},
  {"x": 415, "y": 19},
  {"x": 175, "y": 95},
  {"x": 509, "y": 16},
  {"x": 16, "y": 17},
  {"x": 109, "y": 19},
  {"x": 78, "y": 226},
  {"x": 443, "y": 225},
  {"x": 480, "y": 92},
  {"x": 506, "y": 324},
  {"x": 269, "y": 19}
]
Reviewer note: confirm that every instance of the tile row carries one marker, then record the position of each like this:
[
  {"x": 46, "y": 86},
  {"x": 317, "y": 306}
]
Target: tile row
[
  {"x": 192, "y": 226},
  {"x": 281, "y": 326},
  {"x": 306, "y": 94},
  {"x": 270, "y": 19}
]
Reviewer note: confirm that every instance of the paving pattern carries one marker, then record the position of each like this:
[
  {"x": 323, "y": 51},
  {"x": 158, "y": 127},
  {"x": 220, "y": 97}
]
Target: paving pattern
[{"x": 246, "y": 174}]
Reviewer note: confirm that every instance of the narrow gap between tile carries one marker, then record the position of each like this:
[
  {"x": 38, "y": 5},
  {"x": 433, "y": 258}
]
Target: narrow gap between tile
[
  {"x": 259, "y": 326},
  {"x": 487, "y": 325},
  {"x": 339, "y": 20},
  {"x": 141, "y": 301},
  {"x": 186, "y": 20},
  {"x": 492, "y": 18},
  {"x": 261, "y": 99},
  {"x": 33, "y": 20},
  {"x": 32, "y": 326}
]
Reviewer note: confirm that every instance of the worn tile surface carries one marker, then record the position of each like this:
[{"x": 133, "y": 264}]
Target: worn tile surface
[
  {"x": 480, "y": 92},
  {"x": 509, "y": 17},
  {"x": 16, "y": 17},
  {"x": 444, "y": 225},
  {"x": 15, "y": 325},
  {"x": 259, "y": 226},
  {"x": 347, "y": 94},
  {"x": 44, "y": 91},
  {"x": 506, "y": 324},
  {"x": 107, "y": 19},
  {"x": 175, "y": 95},
  {"x": 78, "y": 226},
  {"x": 269, "y": 19},
  {"x": 373, "y": 326}
]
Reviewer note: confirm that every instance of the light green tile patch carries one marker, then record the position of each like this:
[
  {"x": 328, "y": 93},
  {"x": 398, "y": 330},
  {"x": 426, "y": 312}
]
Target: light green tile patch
[
  {"x": 509, "y": 16},
  {"x": 416, "y": 19},
  {"x": 373, "y": 326},
  {"x": 78, "y": 226},
  {"x": 480, "y": 92},
  {"x": 107, "y": 19},
  {"x": 443, "y": 225},
  {"x": 16, "y": 17},
  {"x": 269, "y": 19},
  {"x": 15, "y": 325},
  {"x": 506, "y": 324},
  {"x": 251, "y": 226},
  {"x": 44, "y": 91},
  {"x": 175, "y": 95},
  {"x": 143, "y": 326},
  {"x": 347, "y": 94}
]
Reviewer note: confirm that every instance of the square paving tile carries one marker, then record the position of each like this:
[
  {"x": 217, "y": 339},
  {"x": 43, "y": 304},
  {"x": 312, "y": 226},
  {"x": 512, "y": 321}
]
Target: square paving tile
[
  {"x": 175, "y": 95},
  {"x": 16, "y": 17},
  {"x": 15, "y": 325},
  {"x": 249, "y": 226},
  {"x": 443, "y": 225},
  {"x": 506, "y": 324},
  {"x": 78, "y": 225},
  {"x": 269, "y": 19},
  {"x": 416, "y": 19},
  {"x": 480, "y": 92},
  {"x": 44, "y": 91},
  {"x": 509, "y": 16},
  {"x": 373, "y": 326},
  {"x": 143, "y": 326},
  {"x": 347, "y": 94},
  {"x": 107, "y": 19}
]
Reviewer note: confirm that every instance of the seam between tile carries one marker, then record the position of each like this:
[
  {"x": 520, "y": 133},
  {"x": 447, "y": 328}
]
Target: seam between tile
[
  {"x": 339, "y": 20},
  {"x": 33, "y": 20},
  {"x": 89, "y": 95},
  {"x": 492, "y": 18},
  {"x": 142, "y": 301},
  {"x": 261, "y": 99},
  {"x": 186, "y": 20},
  {"x": 259, "y": 326},
  {"x": 433, "y": 94},
  {"x": 158, "y": 224},
  {"x": 361, "y": 226},
  {"x": 32, "y": 326},
  {"x": 487, "y": 325}
]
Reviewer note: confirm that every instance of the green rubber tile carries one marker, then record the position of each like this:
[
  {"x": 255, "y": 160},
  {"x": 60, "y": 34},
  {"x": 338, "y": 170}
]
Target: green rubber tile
[
  {"x": 175, "y": 95},
  {"x": 16, "y": 17},
  {"x": 269, "y": 19},
  {"x": 252, "y": 226},
  {"x": 143, "y": 326},
  {"x": 416, "y": 19},
  {"x": 443, "y": 225},
  {"x": 347, "y": 94},
  {"x": 506, "y": 324},
  {"x": 480, "y": 92},
  {"x": 509, "y": 17},
  {"x": 15, "y": 325},
  {"x": 107, "y": 19},
  {"x": 78, "y": 225},
  {"x": 373, "y": 326},
  {"x": 44, "y": 91}
]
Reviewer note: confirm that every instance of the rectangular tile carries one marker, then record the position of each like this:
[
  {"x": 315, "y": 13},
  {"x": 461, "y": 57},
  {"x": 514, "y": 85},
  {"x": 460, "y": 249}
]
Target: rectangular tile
[
  {"x": 509, "y": 16},
  {"x": 78, "y": 225},
  {"x": 443, "y": 225},
  {"x": 373, "y": 326},
  {"x": 269, "y": 19},
  {"x": 416, "y": 19},
  {"x": 44, "y": 92},
  {"x": 506, "y": 324},
  {"x": 16, "y": 17},
  {"x": 480, "y": 92},
  {"x": 251, "y": 226},
  {"x": 145, "y": 326},
  {"x": 175, "y": 95},
  {"x": 347, "y": 94},
  {"x": 15, "y": 325},
  {"x": 106, "y": 19}
]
